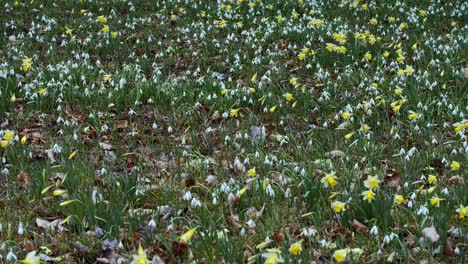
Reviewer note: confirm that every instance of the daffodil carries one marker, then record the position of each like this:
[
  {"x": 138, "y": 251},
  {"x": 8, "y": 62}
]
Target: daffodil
[
  {"x": 398, "y": 199},
  {"x": 140, "y": 257},
  {"x": 105, "y": 29},
  {"x": 329, "y": 180},
  {"x": 368, "y": 195},
  {"x": 42, "y": 91},
  {"x": 455, "y": 165},
  {"x": 106, "y": 77},
  {"x": 185, "y": 238},
  {"x": 252, "y": 172},
  {"x": 288, "y": 96},
  {"x": 460, "y": 126},
  {"x": 372, "y": 182},
  {"x": 340, "y": 255},
  {"x": 398, "y": 91},
  {"x": 349, "y": 135},
  {"x": 273, "y": 256},
  {"x": 31, "y": 258},
  {"x": 432, "y": 179},
  {"x": 102, "y": 19},
  {"x": 234, "y": 112},
  {"x": 338, "y": 206},
  {"x": 242, "y": 191},
  {"x": 346, "y": 115},
  {"x": 59, "y": 192},
  {"x": 296, "y": 248},
  {"x": 462, "y": 211},
  {"x": 254, "y": 78},
  {"x": 435, "y": 201},
  {"x": 8, "y": 135},
  {"x": 412, "y": 115},
  {"x": 27, "y": 63},
  {"x": 368, "y": 56},
  {"x": 73, "y": 155},
  {"x": 4, "y": 143},
  {"x": 24, "y": 139}
]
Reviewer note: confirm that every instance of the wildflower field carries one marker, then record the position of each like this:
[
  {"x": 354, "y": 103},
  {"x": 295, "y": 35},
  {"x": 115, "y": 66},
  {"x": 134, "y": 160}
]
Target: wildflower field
[{"x": 233, "y": 131}]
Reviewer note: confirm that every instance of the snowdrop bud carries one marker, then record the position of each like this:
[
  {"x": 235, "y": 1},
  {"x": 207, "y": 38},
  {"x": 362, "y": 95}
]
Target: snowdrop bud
[
  {"x": 20, "y": 229},
  {"x": 11, "y": 257}
]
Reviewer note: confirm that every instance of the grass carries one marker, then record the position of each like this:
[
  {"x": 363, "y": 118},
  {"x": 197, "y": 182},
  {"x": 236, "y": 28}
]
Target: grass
[{"x": 224, "y": 132}]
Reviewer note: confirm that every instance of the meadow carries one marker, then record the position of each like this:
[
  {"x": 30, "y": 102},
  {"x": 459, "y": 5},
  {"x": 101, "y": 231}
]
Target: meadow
[{"x": 233, "y": 131}]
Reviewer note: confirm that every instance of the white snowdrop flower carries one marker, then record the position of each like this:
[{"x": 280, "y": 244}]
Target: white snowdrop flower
[
  {"x": 324, "y": 243},
  {"x": 96, "y": 197},
  {"x": 151, "y": 224},
  {"x": 20, "y": 229},
  {"x": 195, "y": 203},
  {"x": 251, "y": 224},
  {"x": 215, "y": 201},
  {"x": 445, "y": 191},
  {"x": 11, "y": 257},
  {"x": 231, "y": 197},
  {"x": 387, "y": 239},
  {"x": 423, "y": 210},
  {"x": 187, "y": 196},
  {"x": 270, "y": 191},
  {"x": 169, "y": 129},
  {"x": 287, "y": 193},
  {"x": 242, "y": 232},
  {"x": 225, "y": 188},
  {"x": 410, "y": 204},
  {"x": 374, "y": 231},
  {"x": 154, "y": 126},
  {"x": 308, "y": 232}
]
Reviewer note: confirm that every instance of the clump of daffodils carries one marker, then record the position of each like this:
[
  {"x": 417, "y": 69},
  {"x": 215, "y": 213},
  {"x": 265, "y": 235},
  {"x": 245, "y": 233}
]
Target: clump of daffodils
[{"x": 140, "y": 257}]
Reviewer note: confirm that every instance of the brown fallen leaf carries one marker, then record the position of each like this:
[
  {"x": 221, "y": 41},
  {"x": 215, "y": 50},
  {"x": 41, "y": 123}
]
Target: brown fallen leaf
[
  {"x": 50, "y": 155},
  {"x": 23, "y": 178},
  {"x": 106, "y": 146},
  {"x": 359, "y": 227},
  {"x": 234, "y": 221},
  {"x": 448, "y": 249},
  {"x": 48, "y": 226},
  {"x": 392, "y": 179},
  {"x": 431, "y": 234},
  {"x": 278, "y": 237}
]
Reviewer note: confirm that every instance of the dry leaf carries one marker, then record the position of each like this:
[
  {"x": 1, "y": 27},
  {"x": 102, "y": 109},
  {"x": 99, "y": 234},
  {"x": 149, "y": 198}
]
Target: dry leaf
[
  {"x": 448, "y": 249},
  {"x": 431, "y": 234},
  {"x": 106, "y": 146},
  {"x": 359, "y": 227},
  {"x": 23, "y": 177},
  {"x": 234, "y": 221},
  {"x": 335, "y": 153},
  {"x": 50, "y": 155}
]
